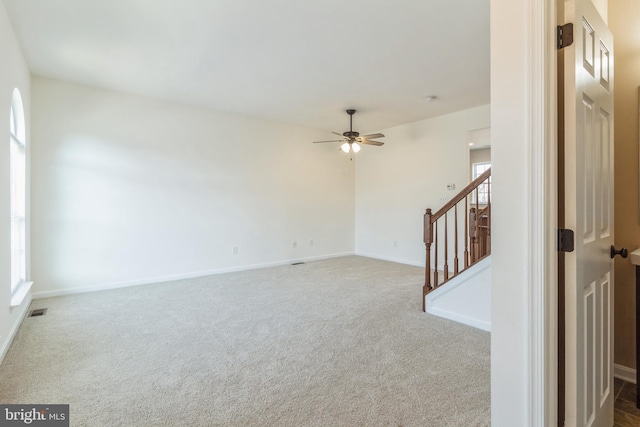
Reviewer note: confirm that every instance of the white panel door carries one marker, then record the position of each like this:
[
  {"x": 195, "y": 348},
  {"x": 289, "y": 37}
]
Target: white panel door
[{"x": 588, "y": 106}]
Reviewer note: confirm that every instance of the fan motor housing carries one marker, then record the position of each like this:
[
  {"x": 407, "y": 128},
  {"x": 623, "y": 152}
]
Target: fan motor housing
[{"x": 351, "y": 134}]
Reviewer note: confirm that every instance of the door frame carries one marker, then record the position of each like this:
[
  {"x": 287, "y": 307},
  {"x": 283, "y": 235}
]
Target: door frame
[
  {"x": 524, "y": 112},
  {"x": 543, "y": 265},
  {"x": 524, "y": 143}
]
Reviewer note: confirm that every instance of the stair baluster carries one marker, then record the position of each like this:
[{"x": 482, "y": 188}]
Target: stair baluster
[{"x": 477, "y": 233}]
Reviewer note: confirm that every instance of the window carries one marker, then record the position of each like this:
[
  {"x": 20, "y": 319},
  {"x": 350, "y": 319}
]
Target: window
[
  {"x": 17, "y": 194},
  {"x": 483, "y": 189}
]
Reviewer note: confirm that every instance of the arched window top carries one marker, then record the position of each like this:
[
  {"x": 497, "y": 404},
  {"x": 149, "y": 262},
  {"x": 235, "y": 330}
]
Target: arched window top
[{"x": 17, "y": 126}]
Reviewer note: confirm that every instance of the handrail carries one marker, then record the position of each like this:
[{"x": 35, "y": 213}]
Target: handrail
[
  {"x": 477, "y": 234},
  {"x": 462, "y": 194},
  {"x": 483, "y": 210}
]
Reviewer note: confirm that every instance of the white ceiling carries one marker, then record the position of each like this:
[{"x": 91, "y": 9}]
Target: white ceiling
[{"x": 296, "y": 61}]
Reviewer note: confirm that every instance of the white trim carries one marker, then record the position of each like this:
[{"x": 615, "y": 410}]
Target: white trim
[
  {"x": 457, "y": 317},
  {"x": 147, "y": 281},
  {"x": 624, "y": 373},
  {"x": 542, "y": 216},
  {"x": 17, "y": 140},
  {"x": 6, "y": 343},
  {"x": 391, "y": 259},
  {"x": 474, "y": 175},
  {"x": 20, "y": 293}
]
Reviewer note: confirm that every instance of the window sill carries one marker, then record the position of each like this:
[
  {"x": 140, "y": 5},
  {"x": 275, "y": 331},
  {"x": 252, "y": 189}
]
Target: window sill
[{"x": 20, "y": 294}]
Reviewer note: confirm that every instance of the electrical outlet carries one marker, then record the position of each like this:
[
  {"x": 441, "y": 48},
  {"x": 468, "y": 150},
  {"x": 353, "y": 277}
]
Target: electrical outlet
[
  {"x": 295, "y": 244},
  {"x": 310, "y": 242},
  {"x": 395, "y": 243},
  {"x": 235, "y": 250}
]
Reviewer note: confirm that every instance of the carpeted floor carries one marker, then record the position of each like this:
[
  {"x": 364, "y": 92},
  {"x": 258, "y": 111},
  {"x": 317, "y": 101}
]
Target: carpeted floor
[{"x": 339, "y": 342}]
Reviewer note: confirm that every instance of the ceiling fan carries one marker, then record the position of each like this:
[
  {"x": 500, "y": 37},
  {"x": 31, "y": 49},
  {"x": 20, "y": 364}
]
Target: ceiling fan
[{"x": 352, "y": 139}]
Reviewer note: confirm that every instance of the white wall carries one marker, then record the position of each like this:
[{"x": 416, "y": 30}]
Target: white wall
[
  {"x": 479, "y": 156},
  {"x": 395, "y": 183},
  {"x": 509, "y": 355},
  {"x": 129, "y": 189},
  {"x": 466, "y": 298},
  {"x": 602, "y": 6},
  {"x": 13, "y": 74}
]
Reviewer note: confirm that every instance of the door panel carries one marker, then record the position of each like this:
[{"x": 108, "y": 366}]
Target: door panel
[{"x": 588, "y": 163}]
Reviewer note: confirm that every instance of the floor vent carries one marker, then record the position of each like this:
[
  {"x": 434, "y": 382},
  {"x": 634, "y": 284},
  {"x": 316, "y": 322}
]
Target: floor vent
[
  {"x": 38, "y": 312},
  {"x": 298, "y": 263}
]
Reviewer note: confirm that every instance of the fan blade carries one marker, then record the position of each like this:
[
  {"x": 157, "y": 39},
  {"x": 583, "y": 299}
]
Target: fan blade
[
  {"x": 337, "y": 140},
  {"x": 373, "y": 136},
  {"x": 336, "y": 133},
  {"x": 369, "y": 142}
]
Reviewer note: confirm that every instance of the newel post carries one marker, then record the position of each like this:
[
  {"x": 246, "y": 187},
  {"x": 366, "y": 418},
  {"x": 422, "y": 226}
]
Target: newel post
[{"x": 428, "y": 240}]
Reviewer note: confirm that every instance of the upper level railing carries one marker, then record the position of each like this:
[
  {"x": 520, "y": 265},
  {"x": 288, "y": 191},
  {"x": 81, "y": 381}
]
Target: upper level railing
[{"x": 445, "y": 244}]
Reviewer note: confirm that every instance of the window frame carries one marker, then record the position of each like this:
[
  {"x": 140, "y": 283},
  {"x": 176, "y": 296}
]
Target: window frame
[
  {"x": 483, "y": 189},
  {"x": 18, "y": 283}
]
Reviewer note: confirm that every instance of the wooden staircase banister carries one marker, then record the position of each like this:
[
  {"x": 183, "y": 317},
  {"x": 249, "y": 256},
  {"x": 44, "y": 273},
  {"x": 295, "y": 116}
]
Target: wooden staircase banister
[
  {"x": 462, "y": 194},
  {"x": 476, "y": 239}
]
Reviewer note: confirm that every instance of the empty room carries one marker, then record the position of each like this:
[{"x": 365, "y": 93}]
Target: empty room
[{"x": 276, "y": 213}]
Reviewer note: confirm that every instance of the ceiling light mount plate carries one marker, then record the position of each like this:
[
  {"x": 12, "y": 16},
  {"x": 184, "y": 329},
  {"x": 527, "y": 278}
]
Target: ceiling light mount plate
[{"x": 431, "y": 98}]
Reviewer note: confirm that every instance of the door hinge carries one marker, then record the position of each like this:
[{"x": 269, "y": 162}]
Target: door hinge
[
  {"x": 564, "y": 35},
  {"x": 565, "y": 240}
]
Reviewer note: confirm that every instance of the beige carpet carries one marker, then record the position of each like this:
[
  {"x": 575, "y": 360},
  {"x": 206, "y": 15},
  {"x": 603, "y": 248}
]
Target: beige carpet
[{"x": 339, "y": 342}]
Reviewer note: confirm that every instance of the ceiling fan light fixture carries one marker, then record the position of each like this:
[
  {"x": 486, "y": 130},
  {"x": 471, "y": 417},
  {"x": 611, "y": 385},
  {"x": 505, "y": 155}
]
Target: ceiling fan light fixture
[{"x": 352, "y": 140}]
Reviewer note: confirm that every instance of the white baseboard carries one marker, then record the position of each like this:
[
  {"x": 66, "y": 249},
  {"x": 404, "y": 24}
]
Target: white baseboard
[
  {"x": 624, "y": 373},
  {"x": 457, "y": 317},
  {"x": 6, "y": 341},
  {"x": 440, "y": 268},
  {"x": 125, "y": 284},
  {"x": 391, "y": 259}
]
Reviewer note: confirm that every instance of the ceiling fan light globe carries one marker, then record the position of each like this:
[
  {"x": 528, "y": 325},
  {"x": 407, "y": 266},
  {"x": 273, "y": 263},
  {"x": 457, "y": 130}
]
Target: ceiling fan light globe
[
  {"x": 355, "y": 147},
  {"x": 345, "y": 147}
]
